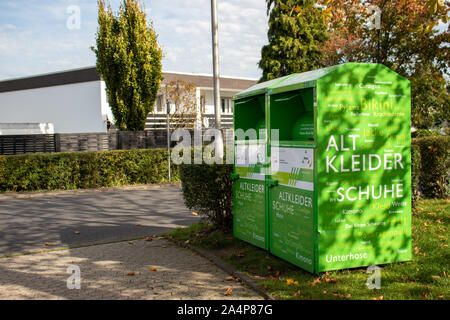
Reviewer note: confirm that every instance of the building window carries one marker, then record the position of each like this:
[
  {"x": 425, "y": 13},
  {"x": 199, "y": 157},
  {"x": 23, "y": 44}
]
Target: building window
[{"x": 227, "y": 105}]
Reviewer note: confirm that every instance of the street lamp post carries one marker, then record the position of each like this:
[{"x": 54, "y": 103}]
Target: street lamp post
[
  {"x": 215, "y": 48},
  {"x": 168, "y": 136}
]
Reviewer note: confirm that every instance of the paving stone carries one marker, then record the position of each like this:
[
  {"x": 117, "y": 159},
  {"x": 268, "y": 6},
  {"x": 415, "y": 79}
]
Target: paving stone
[{"x": 104, "y": 274}]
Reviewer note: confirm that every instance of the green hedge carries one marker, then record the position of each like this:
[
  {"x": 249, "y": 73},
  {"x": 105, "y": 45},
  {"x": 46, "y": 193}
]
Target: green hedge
[
  {"x": 415, "y": 173},
  {"x": 434, "y": 167},
  {"x": 208, "y": 190},
  {"x": 65, "y": 171}
]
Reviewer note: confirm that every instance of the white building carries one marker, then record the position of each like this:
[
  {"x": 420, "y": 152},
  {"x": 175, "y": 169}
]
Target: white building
[{"x": 75, "y": 101}]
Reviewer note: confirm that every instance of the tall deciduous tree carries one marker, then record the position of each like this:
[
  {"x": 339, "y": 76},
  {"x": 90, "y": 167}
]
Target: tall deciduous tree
[
  {"x": 296, "y": 33},
  {"x": 129, "y": 61},
  {"x": 400, "y": 34}
]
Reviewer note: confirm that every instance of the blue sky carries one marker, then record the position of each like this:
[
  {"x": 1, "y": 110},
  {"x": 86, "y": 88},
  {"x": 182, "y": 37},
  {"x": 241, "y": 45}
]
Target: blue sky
[{"x": 34, "y": 37}]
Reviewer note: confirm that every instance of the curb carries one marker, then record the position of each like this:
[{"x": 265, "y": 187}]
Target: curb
[
  {"x": 52, "y": 193},
  {"x": 230, "y": 270}
]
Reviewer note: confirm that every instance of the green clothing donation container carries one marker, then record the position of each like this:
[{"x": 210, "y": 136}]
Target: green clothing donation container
[{"x": 325, "y": 182}]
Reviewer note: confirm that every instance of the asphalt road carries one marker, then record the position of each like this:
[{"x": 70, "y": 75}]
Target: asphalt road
[{"x": 67, "y": 219}]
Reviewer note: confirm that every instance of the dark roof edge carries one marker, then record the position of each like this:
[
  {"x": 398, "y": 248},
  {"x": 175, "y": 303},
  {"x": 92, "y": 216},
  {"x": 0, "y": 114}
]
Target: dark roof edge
[
  {"x": 90, "y": 74},
  {"x": 50, "y": 80}
]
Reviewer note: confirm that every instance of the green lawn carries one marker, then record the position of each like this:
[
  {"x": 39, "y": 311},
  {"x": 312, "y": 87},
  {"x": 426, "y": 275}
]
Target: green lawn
[{"x": 425, "y": 277}]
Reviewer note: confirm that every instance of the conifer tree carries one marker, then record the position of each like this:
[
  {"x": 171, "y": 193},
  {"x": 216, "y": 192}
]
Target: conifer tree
[{"x": 296, "y": 34}]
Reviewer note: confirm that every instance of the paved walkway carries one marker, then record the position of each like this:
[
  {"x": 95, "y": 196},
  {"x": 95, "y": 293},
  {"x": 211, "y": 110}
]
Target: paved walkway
[
  {"x": 180, "y": 274},
  {"x": 29, "y": 221},
  {"x": 71, "y": 218}
]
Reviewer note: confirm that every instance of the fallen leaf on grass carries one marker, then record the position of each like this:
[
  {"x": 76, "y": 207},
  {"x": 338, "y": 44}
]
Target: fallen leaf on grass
[
  {"x": 194, "y": 213},
  {"x": 337, "y": 294},
  {"x": 77, "y": 232},
  {"x": 298, "y": 293},
  {"x": 315, "y": 282},
  {"x": 241, "y": 254},
  {"x": 228, "y": 292},
  {"x": 435, "y": 277},
  {"x": 269, "y": 268},
  {"x": 130, "y": 242},
  {"x": 149, "y": 239},
  {"x": 230, "y": 278},
  {"x": 348, "y": 296},
  {"x": 138, "y": 224},
  {"x": 48, "y": 244},
  {"x": 238, "y": 280},
  {"x": 331, "y": 280},
  {"x": 291, "y": 281},
  {"x": 153, "y": 269},
  {"x": 324, "y": 292},
  {"x": 131, "y": 273},
  {"x": 441, "y": 297},
  {"x": 379, "y": 298}
]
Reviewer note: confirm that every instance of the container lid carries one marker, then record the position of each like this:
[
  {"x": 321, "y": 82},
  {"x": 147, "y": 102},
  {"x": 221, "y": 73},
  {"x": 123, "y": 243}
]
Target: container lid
[
  {"x": 259, "y": 88},
  {"x": 296, "y": 80},
  {"x": 301, "y": 80}
]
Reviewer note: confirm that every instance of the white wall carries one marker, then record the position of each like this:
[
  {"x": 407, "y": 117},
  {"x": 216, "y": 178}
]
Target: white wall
[
  {"x": 72, "y": 108},
  {"x": 209, "y": 98},
  {"x": 106, "y": 110},
  {"x": 26, "y": 128}
]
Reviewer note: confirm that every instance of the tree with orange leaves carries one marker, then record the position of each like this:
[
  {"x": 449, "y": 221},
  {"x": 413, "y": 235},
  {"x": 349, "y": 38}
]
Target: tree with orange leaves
[{"x": 401, "y": 34}]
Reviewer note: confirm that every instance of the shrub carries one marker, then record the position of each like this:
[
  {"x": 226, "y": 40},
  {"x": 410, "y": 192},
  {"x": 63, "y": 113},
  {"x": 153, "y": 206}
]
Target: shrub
[
  {"x": 208, "y": 189},
  {"x": 415, "y": 174},
  {"x": 64, "y": 171},
  {"x": 434, "y": 167},
  {"x": 422, "y": 133}
]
